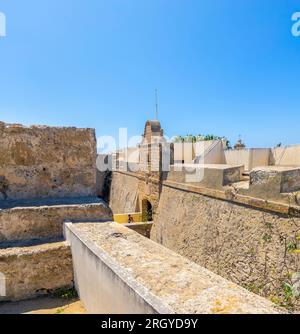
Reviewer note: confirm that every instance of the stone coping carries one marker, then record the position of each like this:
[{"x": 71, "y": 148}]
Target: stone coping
[
  {"x": 44, "y": 202},
  {"x": 206, "y": 166},
  {"x": 226, "y": 195},
  {"x": 41, "y": 127},
  {"x": 139, "y": 224},
  {"x": 168, "y": 282},
  {"x": 30, "y": 250},
  {"x": 276, "y": 168}
]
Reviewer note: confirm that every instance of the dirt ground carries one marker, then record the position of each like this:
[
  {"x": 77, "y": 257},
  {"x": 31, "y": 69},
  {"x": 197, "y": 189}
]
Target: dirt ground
[{"x": 43, "y": 305}]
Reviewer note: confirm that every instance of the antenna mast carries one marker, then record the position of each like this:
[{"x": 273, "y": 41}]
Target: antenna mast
[{"x": 156, "y": 104}]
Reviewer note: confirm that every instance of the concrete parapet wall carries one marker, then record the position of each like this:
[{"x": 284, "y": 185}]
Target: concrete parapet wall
[
  {"x": 35, "y": 271},
  {"x": 249, "y": 158},
  {"x": 209, "y": 152},
  {"x": 41, "y": 221},
  {"x": 212, "y": 176},
  {"x": 286, "y": 156},
  {"x": 258, "y": 157},
  {"x": 118, "y": 271},
  {"x": 42, "y": 161}
]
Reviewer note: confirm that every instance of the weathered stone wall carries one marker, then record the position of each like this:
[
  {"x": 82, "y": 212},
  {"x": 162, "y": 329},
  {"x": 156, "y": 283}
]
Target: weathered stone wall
[
  {"x": 37, "y": 270},
  {"x": 123, "y": 196},
  {"x": 149, "y": 190},
  {"x": 41, "y": 222},
  {"x": 248, "y": 246},
  {"x": 42, "y": 161},
  {"x": 129, "y": 190}
]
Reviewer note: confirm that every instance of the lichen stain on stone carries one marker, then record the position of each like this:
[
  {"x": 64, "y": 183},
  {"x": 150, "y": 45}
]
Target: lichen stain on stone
[{"x": 224, "y": 307}]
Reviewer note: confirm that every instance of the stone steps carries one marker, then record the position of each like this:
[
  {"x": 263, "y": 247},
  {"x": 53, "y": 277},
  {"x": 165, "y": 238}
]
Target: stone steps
[
  {"x": 35, "y": 270},
  {"x": 40, "y": 221},
  {"x": 34, "y": 259}
]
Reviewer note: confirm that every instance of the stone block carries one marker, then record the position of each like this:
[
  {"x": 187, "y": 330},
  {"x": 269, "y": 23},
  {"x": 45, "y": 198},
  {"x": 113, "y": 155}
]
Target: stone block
[
  {"x": 25, "y": 220},
  {"x": 211, "y": 176},
  {"x": 271, "y": 181},
  {"x": 36, "y": 270}
]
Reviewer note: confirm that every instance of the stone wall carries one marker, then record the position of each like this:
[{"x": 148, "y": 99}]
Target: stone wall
[
  {"x": 36, "y": 270},
  {"x": 42, "y": 161},
  {"x": 42, "y": 222},
  {"x": 248, "y": 246},
  {"x": 129, "y": 190},
  {"x": 123, "y": 197},
  {"x": 117, "y": 271}
]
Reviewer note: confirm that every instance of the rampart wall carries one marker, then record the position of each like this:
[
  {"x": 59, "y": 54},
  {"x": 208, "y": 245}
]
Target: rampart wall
[
  {"x": 40, "y": 162},
  {"x": 250, "y": 241}
]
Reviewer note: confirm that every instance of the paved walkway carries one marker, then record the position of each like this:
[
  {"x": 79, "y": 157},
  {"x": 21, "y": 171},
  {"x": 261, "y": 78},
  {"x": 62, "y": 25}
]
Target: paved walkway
[{"x": 43, "y": 305}]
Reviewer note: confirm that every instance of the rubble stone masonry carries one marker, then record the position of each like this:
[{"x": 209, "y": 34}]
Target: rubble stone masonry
[{"x": 40, "y": 162}]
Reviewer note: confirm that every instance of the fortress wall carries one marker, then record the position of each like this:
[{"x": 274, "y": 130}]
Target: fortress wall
[
  {"x": 42, "y": 161},
  {"x": 245, "y": 245},
  {"x": 247, "y": 240},
  {"x": 123, "y": 196}
]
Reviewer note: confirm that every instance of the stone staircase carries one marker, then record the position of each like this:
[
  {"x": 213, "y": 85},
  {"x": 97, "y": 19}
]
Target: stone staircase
[{"x": 34, "y": 258}]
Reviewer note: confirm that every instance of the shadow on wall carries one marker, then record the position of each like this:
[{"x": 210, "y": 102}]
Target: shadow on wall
[{"x": 103, "y": 181}]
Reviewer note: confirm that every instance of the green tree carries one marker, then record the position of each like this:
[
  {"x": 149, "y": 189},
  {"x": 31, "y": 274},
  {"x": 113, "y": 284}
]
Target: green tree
[{"x": 193, "y": 139}]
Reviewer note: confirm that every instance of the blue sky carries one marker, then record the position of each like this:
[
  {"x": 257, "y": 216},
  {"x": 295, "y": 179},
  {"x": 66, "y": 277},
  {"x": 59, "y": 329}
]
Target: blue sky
[{"x": 227, "y": 67}]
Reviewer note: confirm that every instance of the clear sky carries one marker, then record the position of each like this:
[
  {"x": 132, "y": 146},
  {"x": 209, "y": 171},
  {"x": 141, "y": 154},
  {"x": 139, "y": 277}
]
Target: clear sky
[{"x": 226, "y": 67}]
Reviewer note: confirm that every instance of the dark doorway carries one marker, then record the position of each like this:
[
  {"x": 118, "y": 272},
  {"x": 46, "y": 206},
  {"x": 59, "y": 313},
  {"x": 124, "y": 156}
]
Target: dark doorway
[{"x": 147, "y": 211}]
